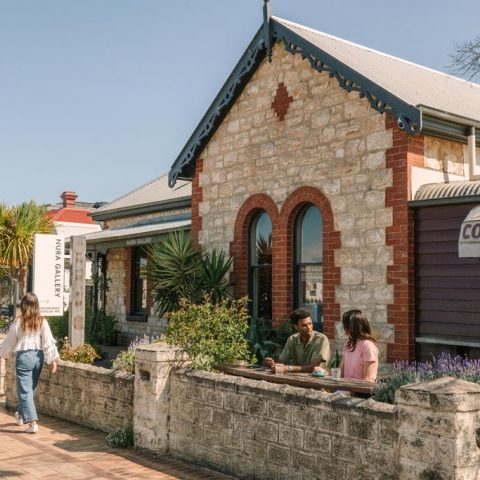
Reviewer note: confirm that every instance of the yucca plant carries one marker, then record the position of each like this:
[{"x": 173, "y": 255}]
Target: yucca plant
[{"x": 180, "y": 270}]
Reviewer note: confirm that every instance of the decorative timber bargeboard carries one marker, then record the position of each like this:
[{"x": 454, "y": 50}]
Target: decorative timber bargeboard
[{"x": 409, "y": 118}]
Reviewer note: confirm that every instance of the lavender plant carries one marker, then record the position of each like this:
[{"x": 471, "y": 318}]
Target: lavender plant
[
  {"x": 413, "y": 372},
  {"x": 125, "y": 360}
]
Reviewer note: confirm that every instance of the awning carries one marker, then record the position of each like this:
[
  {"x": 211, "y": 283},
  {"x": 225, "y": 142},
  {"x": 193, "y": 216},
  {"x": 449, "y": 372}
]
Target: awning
[
  {"x": 135, "y": 235},
  {"x": 469, "y": 240}
]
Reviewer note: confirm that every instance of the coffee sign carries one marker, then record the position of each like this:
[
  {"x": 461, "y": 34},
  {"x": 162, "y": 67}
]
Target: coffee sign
[{"x": 469, "y": 239}]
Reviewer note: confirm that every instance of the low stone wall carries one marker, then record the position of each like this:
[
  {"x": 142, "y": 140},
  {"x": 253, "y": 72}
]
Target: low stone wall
[
  {"x": 91, "y": 396},
  {"x": 261, "y": 430}
]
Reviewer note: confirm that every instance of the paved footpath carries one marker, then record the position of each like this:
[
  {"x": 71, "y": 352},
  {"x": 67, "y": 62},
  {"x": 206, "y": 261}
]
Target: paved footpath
[{"x": 63, "y": 450}]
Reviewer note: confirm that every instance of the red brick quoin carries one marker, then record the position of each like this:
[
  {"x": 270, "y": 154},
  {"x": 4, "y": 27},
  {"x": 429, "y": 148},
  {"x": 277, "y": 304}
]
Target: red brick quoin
[
  {"x": 282, "y": 252},
  {"x": 407, "y": 151}
]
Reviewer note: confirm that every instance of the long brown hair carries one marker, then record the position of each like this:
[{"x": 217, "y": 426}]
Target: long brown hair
[
  {"x": 357, "y": 327},
  {"x": 31, "y": 320}
]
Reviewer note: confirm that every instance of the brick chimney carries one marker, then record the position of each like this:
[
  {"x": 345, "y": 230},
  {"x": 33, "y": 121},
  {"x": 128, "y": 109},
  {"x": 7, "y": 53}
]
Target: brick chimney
[{"x": 68, "y": 199}]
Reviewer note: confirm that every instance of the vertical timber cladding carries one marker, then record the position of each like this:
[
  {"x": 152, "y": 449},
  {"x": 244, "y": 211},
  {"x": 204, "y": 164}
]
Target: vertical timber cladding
[{"x": 447, "y": 287}]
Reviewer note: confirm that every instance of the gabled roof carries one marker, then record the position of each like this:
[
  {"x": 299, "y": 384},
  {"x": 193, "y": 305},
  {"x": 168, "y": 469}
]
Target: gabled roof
[
  {"x": 392, "y": 85},
  {"x": 415, "y": 84},
  {"x": 71, "y": 215},
  {"x": 153, "y": 196}
]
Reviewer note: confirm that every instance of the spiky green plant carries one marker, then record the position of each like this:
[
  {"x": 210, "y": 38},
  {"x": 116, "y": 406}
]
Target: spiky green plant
[
  {"x": 18, "y": 225},
  {"x": 180, "y": 270}
]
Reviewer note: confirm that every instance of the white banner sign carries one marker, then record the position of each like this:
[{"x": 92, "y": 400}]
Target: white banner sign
[{"x": 48, "y": 273}]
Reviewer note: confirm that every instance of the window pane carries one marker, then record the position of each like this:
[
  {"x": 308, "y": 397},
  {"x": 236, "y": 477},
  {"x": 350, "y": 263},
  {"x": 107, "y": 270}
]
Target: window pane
[
  {"x": 262, "y": 233},
  {"x": 308, "y": 264},
  {"x": 139, "y": 281},
  {"x": 262, "y": 292},
  {"x": 311, "y": 233},
  {"x": 261, "y": 266},
  {"x": 310, "y": 290}
]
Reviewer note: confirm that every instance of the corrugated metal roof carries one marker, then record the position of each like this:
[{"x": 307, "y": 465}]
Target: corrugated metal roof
[
  {"x": 156, "y": 191},
  {"x": 434, "y": 191},
  {"x": 415, "y": 84}
]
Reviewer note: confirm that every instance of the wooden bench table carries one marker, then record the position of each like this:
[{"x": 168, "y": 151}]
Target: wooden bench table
[{"x": 299, "y": 379}]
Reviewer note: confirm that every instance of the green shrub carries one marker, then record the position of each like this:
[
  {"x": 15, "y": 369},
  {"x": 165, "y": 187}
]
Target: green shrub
[
  {"x": 125, "y": 360},
  {"x": 59, "y": 326},
  {"x": 121, "y": 437},
  {"x": 4, "y": 324},
  {"x": 83, "y": 354},
  {"x": 264, "y": 340},
  {"x": 210, "y": 334}
]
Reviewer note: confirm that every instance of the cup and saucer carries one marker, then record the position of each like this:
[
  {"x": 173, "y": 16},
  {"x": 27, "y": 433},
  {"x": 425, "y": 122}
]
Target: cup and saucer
[{"x": 319, "y": 372}]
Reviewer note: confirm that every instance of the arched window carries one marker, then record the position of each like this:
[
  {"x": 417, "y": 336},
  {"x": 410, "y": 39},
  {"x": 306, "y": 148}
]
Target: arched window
[
  {"x": 308, "y": 263},
  {"x": 260, "y": 266}
]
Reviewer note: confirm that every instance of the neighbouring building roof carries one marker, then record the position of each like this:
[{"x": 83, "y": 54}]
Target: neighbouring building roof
[
  {"x": 137, "y": 234},
  {"x": 419, "y": 98},
  {"x": 70, "y": 210},
  {"x": 153, "y": 196},
  {"x": 465, "y": 191},
  {"x": 69, "y": 229}
]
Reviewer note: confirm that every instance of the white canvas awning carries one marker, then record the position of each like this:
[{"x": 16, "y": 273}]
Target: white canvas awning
[{"x": 469, "y": 239}]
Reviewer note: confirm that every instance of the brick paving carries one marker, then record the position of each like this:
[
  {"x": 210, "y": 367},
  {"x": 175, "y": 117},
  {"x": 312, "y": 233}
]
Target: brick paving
[{"x": 64, "y": 450}]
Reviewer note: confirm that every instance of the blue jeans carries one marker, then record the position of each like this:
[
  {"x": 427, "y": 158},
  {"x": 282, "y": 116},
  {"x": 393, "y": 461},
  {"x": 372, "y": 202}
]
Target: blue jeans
[{"x": 28, "y": 366}]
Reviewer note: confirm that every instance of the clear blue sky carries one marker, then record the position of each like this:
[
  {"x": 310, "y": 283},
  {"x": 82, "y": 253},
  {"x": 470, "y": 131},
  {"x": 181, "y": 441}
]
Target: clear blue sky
[{"x": 100, "y": 96}]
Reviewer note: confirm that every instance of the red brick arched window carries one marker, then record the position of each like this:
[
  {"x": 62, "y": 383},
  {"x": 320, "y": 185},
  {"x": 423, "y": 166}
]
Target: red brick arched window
[
  {"x": 239, "y": 248},
  {"x": 292, "y": 207}
]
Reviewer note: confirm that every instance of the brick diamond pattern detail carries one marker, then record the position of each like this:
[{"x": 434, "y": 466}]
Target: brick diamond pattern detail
[{"x": 282, "y": 101}]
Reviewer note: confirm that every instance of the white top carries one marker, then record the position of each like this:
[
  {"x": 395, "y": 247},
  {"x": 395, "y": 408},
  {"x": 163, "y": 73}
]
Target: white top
[{"x": 18, "y": 340}]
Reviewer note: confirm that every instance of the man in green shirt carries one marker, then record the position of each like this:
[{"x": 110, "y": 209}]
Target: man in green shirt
[{"x": 304, "y": 350}]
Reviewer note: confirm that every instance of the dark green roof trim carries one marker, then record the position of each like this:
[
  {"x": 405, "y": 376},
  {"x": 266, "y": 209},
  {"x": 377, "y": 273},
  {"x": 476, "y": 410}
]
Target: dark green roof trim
[
  {"x": 184, "y": 166},
  {"x": 407, "y": 116},
  {"x": 142, "y": 209}
]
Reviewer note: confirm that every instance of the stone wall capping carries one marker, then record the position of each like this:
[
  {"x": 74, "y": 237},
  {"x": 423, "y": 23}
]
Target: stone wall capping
[{"x": 445, "y": 394}]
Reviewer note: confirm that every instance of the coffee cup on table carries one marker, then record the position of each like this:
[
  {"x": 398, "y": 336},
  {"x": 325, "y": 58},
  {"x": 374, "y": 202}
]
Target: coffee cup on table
[
  {"x": 335, "y": 373},
  {"x": 278, "y": 368}
]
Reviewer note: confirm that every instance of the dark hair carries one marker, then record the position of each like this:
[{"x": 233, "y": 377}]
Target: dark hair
[
  {"x": 299, "y": 314},
  {"x": 357, "y": 326}
]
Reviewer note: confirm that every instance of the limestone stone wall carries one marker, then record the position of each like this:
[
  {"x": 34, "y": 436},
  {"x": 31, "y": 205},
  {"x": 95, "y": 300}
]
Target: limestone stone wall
[
  {"x": 330, "y": 140},
  {"x": 91, "y": 396},
  {"x": 118, "y": 291},
  {"x": 268, "y": 431},
  {"x": 260, "y": 430},
  {"x": 444, "y": 155}
]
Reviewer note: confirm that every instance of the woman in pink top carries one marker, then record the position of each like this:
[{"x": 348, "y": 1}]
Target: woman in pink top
[{"x": 360, "y": 352}]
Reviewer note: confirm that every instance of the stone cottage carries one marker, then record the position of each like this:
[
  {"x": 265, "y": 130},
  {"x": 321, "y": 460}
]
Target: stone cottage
[
  {"x": 303, "y": 169},
  {"x": 132, "y": 224}
]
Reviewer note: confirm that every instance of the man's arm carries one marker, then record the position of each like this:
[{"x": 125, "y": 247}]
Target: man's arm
[
  {"x": 320, "y": 359},
  {"x": 284, "y": 356}
]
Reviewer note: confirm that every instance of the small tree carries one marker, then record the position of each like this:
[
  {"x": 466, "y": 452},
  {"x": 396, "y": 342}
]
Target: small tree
[
  {"x": 466, "y": 59},
  {"x": 18, "y": 225},
  {"x": 210, "y": 333}
]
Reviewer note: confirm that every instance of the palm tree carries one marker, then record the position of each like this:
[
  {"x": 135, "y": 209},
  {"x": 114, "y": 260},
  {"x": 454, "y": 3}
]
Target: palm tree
[{"x": 18, "y": 225}]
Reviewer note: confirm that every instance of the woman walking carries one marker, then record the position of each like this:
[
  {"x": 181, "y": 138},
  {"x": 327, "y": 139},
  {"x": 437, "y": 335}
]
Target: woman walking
[{"x": 31, "y": 339}]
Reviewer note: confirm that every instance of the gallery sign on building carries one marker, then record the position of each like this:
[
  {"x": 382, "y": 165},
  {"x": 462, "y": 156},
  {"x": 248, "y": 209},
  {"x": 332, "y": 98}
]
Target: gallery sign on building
[{"x": 48, "y": 273}]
